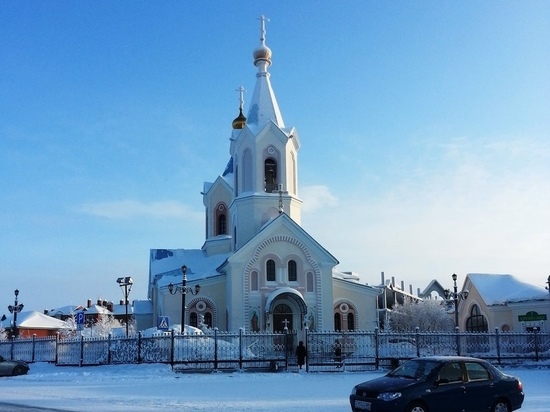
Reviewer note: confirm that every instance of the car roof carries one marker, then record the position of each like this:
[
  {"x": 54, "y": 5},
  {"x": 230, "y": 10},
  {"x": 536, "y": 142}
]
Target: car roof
[{"x": 447, "y": 358}]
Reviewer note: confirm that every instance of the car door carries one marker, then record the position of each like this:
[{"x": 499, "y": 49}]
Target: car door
[
  {"x": 448, "y": 393},
  {"x": 3, "y": 367},
  {"x": 480, "y": 387}
]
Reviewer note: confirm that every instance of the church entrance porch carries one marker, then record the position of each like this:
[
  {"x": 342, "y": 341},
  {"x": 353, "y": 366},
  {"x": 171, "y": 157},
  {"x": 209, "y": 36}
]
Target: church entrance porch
[{"x": 282, "y": 318}]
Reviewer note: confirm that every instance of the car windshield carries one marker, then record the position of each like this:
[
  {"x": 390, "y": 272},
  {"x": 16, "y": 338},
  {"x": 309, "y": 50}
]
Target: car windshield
[{"x": 414, "y": 369}]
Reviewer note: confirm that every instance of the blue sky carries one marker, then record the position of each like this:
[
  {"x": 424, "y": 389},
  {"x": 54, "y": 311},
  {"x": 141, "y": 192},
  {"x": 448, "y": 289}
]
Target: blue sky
[{"x": 424, "y": 126}]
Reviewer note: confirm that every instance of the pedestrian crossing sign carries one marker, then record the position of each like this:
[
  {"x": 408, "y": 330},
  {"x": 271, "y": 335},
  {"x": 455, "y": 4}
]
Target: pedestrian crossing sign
[{"x": 163, "y": 323}]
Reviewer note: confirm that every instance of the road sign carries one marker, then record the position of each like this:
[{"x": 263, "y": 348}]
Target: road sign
[
  {"x": 80, "y": 318},
  {"x": 163, "y": 323}
]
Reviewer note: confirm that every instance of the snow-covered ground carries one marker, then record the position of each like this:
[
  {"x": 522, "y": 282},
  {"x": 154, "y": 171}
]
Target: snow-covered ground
[{"x": 149, "y": 387}]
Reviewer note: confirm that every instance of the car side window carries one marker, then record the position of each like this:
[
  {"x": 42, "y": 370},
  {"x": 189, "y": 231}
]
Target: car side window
[
  {"x": 476, "y": 372},
  {"x": 450, "y": 373}
]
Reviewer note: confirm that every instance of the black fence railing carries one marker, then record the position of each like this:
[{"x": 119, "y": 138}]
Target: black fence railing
[{"x": 358, "y": 350}]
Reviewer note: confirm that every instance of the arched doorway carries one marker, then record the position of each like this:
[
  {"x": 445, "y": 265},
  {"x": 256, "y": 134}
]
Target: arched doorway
[{"x": 282, "y": 317}]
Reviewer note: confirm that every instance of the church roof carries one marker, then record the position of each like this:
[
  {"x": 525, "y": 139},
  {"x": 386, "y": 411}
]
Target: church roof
[
  {"x": 168, "y": 262},
  {"x": 501, "y": 289}
]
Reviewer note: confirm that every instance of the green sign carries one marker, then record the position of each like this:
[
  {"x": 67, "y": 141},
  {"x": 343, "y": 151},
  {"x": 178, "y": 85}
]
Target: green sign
[{"x": 531, "y": 317}]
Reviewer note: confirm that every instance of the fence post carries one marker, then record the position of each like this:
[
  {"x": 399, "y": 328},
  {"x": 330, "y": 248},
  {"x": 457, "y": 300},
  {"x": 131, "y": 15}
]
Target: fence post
[
  {"x": 376, "y": 349},
  {"x": 172, "y": 348},
  {"x": 535, "y": 330},
  {"x": 417, "y": 342},
  {"x": 307, "y": 350},
  {"x": 139, "y": 347},
  {"x": 33, "y": 346},
  {"x": 109, "y": 349},
  {"x": 56, "y": 348},
  {"x": 497, "y": 337},
  {"x": 457, "y": 331},
  {"x": 81, "y": 350},
  {"x": 12, "y": 346},
  {"x": 216, "y": 349},
  {"x": 241, "y": 348}
]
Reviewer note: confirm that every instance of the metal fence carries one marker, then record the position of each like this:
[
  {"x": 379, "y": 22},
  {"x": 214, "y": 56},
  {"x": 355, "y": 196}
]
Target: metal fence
[{"x": 360, "y": 350}]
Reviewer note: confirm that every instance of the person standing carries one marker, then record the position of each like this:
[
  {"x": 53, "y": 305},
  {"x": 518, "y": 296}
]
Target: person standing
[
  {"x": 301, "y": 353},
  {"x": 338, "y": 353}
]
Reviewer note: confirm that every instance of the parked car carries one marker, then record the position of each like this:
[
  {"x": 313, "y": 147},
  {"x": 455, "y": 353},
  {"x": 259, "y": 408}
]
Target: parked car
[
  {"x": 440, "y": 383},
  {"x": 12, "y": 367}
]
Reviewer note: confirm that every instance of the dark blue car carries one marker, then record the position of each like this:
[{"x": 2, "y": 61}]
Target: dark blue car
[{"x": 440, "y": 383}]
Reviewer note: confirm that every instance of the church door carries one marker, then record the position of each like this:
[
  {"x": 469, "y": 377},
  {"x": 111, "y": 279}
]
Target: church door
[{"x": 282, "y": 316}]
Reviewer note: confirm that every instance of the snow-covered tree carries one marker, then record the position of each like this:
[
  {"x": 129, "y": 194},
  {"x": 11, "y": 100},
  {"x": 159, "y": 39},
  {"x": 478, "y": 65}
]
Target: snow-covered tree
[
  {"x": 3, "y": 333},
  {"x": 429, "y": 315},
  {"x": 104, "y": 326},
  {"x": 71, "y": 327}
]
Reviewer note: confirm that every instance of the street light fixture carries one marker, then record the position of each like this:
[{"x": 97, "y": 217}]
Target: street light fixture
[
  {"x": 127, "y": 283},
  {"x": 15, "y": 310},
  {"x": 455, "y": 296},
  {"x": 184, "y": 289}
]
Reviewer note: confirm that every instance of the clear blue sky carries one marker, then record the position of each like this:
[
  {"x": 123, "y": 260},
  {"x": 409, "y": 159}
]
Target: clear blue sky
[{"x": 425, "y": 130}]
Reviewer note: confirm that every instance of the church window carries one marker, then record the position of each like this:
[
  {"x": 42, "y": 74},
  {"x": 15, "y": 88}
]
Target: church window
[
  {"x": 208, "y": 319},
  {"x": 309, "y": 282},
  {"x": 246, "y": 176},
  {"x": 221, "y": 225},
  {"x": 236, "y": 180},
  {"x": 292, "y": 272},
  {"x": 337, "y": 321},
  {"x": 351, "y": 321},
  {"x": 270, "y": 270},
  {"x": 476, "y": 322},
  {"x": 254, "y": 281},
  {"x": 270, "y": 169},
  {"x": 221, "y": 219},
  {"x": 193, "y": 319}
]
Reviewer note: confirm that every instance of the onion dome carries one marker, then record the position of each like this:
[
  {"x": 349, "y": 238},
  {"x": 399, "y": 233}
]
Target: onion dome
[
  {"x": 262, "y": 53},
  {"x": 239, "y": 121}
]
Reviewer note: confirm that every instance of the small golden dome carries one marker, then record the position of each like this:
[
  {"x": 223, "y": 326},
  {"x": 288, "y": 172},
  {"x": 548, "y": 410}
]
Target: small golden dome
[
  {"x": 239, "y": 121},
  {"x": 262, "y": 52}
]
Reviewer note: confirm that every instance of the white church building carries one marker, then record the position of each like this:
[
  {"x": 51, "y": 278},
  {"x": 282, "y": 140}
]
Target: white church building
[{"x": 258, "y": 269}]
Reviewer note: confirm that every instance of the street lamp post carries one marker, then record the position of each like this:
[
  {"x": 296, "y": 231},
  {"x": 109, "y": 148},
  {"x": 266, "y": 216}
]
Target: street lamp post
[
  {"x": 184, "y": 289},
  {"x": 15, "y": 309},
  {"x": 455, "y": 297},
  {"x": 127, "y": 283}
]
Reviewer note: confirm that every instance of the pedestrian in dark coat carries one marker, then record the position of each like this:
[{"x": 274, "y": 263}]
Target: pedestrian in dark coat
[{"x": 301, "y": 354}]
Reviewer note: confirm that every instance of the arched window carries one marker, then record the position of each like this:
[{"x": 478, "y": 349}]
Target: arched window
[
  {"x": 292, "y": 273},
  {"x": 337, "y": 321},
  {"x": 221, "y": 219},
  {"x": 309, "y": 281},
  {"x": 351, "y": 321},
  {"x": 208, "y": 319},
  {"x": 270, "y": 176},
  {"x": 476, "y": 322},
  {"x": 270, "y": 270},
  {"x": 254, "y": 281},
  {"x": 193, "y": 319}
]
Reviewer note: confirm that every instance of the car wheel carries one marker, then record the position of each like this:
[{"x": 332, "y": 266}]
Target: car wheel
[
  {"x": 19, "y": 370},
  {"x": 501, "y": 406},
  {"x": 417, "y": 407}
]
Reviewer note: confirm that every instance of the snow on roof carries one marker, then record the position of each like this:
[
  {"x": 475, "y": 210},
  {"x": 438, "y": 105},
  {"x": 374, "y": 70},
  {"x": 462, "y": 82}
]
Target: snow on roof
[
  {"x": 199, "y": 264},
  {"x": 500, "y": 289},
  {"x": 37, "y": 320},
  {"x": 96, "y": 309},
  {"x": 65, "y": 310}
]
